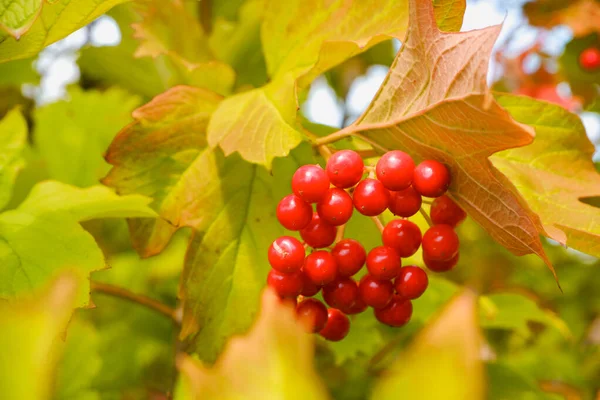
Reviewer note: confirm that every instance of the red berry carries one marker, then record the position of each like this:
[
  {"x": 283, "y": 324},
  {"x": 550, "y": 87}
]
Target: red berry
[
  {"x": 310, "y": 183},
  {"x": 318, "y": 233},
  {"x": 411, "y": 282},
  {"x": 440, "y": 266},
  {"x": 396, "y": 313},
  {"x": 320, "y": 267},
  {"x": 375, "y": 293},
  {"x": 445, "y": 211},
  {"x": 286, "y": 254},
  {"x": 589, "y": 59},
  {"x": 286, "y": 285},
  {"x": 337, "y": 325},
  {"x": 341, "y": 293},
  {"x": 294, "y": 213},
  {"x": 358, "y": 307},
  {"x": 403, "y": 236},
  {"x": 336, "y": 207},
  {"x": 383, "y": 263},
  {"x": 371, "y": 197},
  {"x": 350, "y": 256},
  {"x": 345, "y": 168},
  {"x": 431, "y": 178},
  {"x": 405, "y": 203},
  {"x": 395, "y": 170},
  {"x": 440, "y": 243},
  {"x": 313, "y": 314},
  {"x": 309, "y": 288}
]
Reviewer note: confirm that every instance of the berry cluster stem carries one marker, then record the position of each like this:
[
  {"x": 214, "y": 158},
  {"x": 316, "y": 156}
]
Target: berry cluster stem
[
  {"x": 427, "y": 218},
  {"x": 334, "y": 137},
  {"x": 340, "y": 233},
  {"x": 378, "y": 222},
  {"x": 140, "y": 299}
]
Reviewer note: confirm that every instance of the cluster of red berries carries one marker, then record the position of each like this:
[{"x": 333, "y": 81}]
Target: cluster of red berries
[
  {"x": 388, "y": 287},
  {"x": 589, "y": 59}
]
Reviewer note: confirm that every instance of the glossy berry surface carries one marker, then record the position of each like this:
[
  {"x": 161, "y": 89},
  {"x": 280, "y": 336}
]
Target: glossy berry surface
[
  {"x": 440, "y": 266},
  {"x": 337, "y": 325},
  {"x": 375, "y": 293},
  {"x": 445, "y": 211},
  {"x": 589, "y": 59},
  {"x": 396, "y": 313},
  {"x": 318, "y": 233},
  {"x": 286, "y": 285},
  {"x": 440, "y": 243},
  {"x": 395, "y": 170},
  {"x": 286, "y": 254},
  {"x": 309, "y": 288},
  {"x": 312, "y": 313},
  {"x": 336, "y": 207},
  {"x": 293, "y": 213},
  {"x": 341, "y": 294},
  {"x": 371, "y": 197},
  {"x": 383, "y": 263},
  {"x": 405, "y": 203},
  {"x": 310, "y": 183},
  {"x": 350, "y": 256},
  {"x": 345, "y": 168},
  {"x": 358, "y": 307},
  {"x": 431, "y": 178},
  {"x": 411, "y": 282},
  {"x": 403, "y": 236},
  {"x": 320, "y": 267}
]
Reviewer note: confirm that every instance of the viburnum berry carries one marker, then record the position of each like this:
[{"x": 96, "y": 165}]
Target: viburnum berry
[
  {"x": 318, "y": 233},
  {"x": 313, "y": 314},
  {"x": 411, "y": 282},
  {"x": 286, "y": 285},
  {"x": 403, "y": 236},
  {"x": 440, "y": 243},
  {"x": 383, "y": 263},
  {"x": 341, "y": 294},
  {"x": 358, "y": 307},
  {"x": 345, "y": 168},
  {"x": 350, "y": 256},
  {"x": 371, "y": 197},
  {"x": 310, "y": 183},
  {"x": 431, "y": 178},
  {"x": 337, "y": 326},
  {"x": 440, "y": 266},
  {"x": 589, "y": 59},
  {"x": 405, "y": 203},
  {"x": 395, "y": 170},
  {"x": 336, "y": 207},
  {"x": 445, "y": 211},
  {"x": 294, "y": 213},
  {"x": 286, "y": 254},
  {"x": 309, "y": 288},
  {"x": 320, "y": 267},
  {"x": 396, "y": 313},
  {"x": 375, "y": 293}
]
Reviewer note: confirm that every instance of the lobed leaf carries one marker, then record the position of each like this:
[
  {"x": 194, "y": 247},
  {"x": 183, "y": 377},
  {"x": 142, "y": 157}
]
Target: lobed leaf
[{"x": 16, "y": 16}]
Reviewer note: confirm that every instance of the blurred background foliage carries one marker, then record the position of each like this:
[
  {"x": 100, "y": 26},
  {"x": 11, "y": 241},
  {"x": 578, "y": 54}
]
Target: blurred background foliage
[{"x": 78, "y": 93}]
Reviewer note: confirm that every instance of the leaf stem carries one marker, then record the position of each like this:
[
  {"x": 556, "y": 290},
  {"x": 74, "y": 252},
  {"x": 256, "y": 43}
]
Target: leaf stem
[
  {"x": 116, "y": 291},
  {"x": 424, "y": 214},
  {"x": 378, "y": 223},
  {"x": 331, "y": 138}
]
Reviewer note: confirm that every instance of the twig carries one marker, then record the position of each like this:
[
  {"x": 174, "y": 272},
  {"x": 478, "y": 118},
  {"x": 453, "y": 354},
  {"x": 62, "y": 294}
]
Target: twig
[
  {"x": 424, "y": 214},
  {"x": 145, "y": 301},
  {"x": 334, "y": 137}
]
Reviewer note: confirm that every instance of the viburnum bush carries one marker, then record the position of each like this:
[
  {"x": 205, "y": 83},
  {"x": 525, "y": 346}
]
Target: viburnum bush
[{"x": 178, "y": 222}]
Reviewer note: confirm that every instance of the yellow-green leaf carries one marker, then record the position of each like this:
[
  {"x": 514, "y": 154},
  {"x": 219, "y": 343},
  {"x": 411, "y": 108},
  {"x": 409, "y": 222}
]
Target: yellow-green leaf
[
  {"x": 273, "y": 361},
  {"x": 13, "y": 140},
  {"x": 16, "y": 16},
  {"x": 447, "y": 351}
]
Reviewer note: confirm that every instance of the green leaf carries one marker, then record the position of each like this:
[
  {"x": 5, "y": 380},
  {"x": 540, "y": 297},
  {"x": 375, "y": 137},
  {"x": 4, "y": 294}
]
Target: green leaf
[
  {"x": 29, "y": 332},
  {"x": 43, "y": 237},
  {"x": 507, "y": 383},
  {"x": 56, "y": 20},
  {"x": 13, "y": 140},
  {"x": 449, "y": 14},
  {"x": 16, "y": 16},
  {"x": 450, "y": 348},
  {"x": 15, "y": 73},
  {"x": 280, "y": 355},
  {"x": 556, "y": 172},
  {"x": 72, "y": 136}
]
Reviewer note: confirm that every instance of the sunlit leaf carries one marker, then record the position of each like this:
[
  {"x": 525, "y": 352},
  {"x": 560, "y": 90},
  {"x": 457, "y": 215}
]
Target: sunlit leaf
[
  {"x": 274, "y": 360},
  {"x": 56, "y": 20},
  {"x": 13, "y": 139},
  {"x": 556, "y": 172},
  {"x": 16, "y": 16},
  {"x": 447, "y": 349}
]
